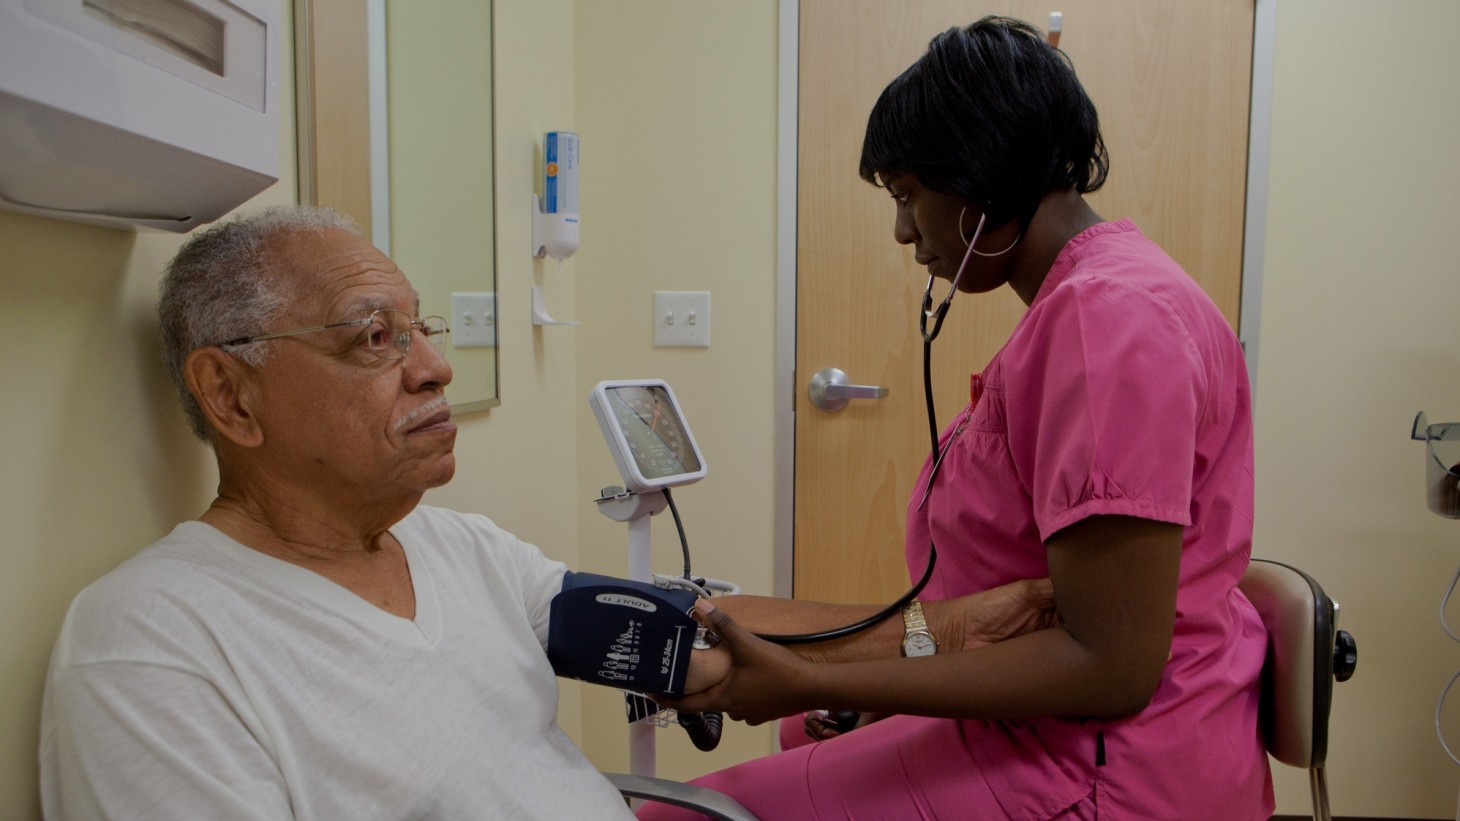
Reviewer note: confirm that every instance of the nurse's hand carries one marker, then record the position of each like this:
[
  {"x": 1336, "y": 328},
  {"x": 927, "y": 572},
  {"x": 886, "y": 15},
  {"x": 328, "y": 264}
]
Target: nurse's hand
[
  {"x": 761, "y": 682},
  {"x": 706, "y": 669}
]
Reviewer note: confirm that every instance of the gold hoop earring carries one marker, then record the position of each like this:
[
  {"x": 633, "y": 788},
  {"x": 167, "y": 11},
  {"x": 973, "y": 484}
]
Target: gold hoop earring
[{"x": 966, "y": 244}]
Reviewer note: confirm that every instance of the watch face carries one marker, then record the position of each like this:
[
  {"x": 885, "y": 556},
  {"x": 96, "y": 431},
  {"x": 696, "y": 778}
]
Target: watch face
[{"x": 919, "y": 644}]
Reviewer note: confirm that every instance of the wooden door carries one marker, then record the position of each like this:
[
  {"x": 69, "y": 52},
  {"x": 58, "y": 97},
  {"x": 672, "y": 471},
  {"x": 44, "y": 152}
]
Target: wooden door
[{"x": 1171, "y": 83}]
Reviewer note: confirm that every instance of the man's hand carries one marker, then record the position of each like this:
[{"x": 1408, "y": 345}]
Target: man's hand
[
  {"x": 993, "y": 615},
  {"x": 823, "y": 724}
]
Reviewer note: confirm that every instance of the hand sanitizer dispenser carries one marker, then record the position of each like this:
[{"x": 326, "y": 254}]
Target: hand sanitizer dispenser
[{"x": 555, "y": 216}]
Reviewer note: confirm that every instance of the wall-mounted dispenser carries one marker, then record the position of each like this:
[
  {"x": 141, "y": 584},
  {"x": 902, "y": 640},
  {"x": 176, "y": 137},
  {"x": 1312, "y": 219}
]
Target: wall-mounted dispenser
[
  {"x": 555, "y": 215},
  {"x": 154, "y": 113}
]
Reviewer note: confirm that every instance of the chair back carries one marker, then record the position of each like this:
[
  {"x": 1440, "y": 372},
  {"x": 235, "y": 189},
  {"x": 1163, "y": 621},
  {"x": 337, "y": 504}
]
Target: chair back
[{"x": 1297, "y": 687}]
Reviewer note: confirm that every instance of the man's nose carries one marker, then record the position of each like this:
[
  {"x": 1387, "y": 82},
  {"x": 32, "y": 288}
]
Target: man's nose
[{"x": 425, "y": 365}]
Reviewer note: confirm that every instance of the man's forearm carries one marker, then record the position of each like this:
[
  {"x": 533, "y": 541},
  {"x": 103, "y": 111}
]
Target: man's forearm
[
  {"x": 958, "y": 624},
  {"x": 766, "y": 615}
]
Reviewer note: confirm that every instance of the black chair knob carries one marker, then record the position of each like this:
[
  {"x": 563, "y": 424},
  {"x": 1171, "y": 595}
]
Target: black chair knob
[{"x": 1345, "y": 656}]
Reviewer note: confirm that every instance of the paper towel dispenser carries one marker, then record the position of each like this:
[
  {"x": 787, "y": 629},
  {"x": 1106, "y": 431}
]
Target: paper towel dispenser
[{"x": 155, "y": 113}]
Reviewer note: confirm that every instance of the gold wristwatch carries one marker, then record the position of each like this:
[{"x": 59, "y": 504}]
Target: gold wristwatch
[{"x": 917, "y": 640}]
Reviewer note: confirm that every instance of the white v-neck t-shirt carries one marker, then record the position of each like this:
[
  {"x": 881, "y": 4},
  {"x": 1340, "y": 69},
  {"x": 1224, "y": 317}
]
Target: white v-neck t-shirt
[{"x": 203, "y": 679}]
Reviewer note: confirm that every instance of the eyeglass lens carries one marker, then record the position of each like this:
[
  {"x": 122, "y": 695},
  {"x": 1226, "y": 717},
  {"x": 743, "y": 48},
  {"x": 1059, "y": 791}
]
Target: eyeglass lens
[{"x": 391, "y": 331}]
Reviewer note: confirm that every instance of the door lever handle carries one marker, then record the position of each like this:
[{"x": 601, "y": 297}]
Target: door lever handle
[{"x": 830, "y": 390}]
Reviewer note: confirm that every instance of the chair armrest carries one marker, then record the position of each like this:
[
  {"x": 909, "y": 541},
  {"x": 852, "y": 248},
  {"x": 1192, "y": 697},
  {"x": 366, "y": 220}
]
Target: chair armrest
[{"x": 716, "y": 805}]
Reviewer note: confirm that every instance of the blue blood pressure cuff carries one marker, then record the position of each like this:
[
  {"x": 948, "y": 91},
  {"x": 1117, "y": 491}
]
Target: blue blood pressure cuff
[{"x": 625, "y": 634}]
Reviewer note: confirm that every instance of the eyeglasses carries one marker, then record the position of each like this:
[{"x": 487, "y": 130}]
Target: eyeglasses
[{"x": 388, "y": 337}]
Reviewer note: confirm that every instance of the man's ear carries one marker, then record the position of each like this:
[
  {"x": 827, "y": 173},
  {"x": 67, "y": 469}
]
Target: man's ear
[{"x": 225, "y": 389}]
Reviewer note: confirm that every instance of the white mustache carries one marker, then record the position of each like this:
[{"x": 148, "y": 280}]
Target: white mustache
[{"x": 429, "y": 407}]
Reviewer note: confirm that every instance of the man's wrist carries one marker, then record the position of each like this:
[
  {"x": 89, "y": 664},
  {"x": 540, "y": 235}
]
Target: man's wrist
[
  {"x": 945, "y": 621},
  {"x": 917, "y": 639}
]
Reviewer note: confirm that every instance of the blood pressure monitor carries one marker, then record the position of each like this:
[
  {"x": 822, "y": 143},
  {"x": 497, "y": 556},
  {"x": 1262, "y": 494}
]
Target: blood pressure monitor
[{"x": 647, "y": 434}]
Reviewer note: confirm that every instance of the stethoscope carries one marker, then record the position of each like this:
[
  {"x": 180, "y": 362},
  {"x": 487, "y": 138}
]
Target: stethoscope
[
  {"x": 926, "y": 312},
  {"x": 937, "y": 314}
]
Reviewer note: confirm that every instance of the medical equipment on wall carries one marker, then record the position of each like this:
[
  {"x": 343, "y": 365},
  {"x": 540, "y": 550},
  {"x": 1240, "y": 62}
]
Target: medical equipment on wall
[
  {"x": 1442, "y": 465},
  {"x": 647, "y": 434},
  {"x": 127, "y": 113},
  {"x": 555, "y": 214},
  {"x": 654, "y": 450},
  {"x": 1442, "y": 496}
]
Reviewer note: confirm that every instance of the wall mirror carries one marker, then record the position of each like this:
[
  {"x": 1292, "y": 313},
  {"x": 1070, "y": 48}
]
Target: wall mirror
[{"x": 395, "y": 129}]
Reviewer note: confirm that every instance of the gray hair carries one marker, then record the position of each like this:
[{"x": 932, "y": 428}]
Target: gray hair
[{"x": 223, "y": 284}]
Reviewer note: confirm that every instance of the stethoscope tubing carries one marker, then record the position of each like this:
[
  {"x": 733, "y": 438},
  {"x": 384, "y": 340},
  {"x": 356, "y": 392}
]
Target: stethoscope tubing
[
  {"x": 925, "y": 312},
  {"x": 912, "y": 593}
]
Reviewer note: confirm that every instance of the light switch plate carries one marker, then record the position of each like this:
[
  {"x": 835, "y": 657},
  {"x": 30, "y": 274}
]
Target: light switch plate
[
  {"x": 681, "y": 319},
  {"x": 473, "y": 320}
]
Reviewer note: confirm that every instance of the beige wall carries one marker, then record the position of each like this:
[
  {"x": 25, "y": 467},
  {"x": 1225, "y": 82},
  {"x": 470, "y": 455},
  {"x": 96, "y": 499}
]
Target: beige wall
[
  {"x": 676, "y": 105},
  {"x": 1359, "y": 300},
  {"x": 95, "y": 458}
]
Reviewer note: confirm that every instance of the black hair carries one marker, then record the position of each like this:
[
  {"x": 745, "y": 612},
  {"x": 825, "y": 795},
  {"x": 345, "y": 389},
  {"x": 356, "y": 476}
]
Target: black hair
[{"x": 993, "y": 113}]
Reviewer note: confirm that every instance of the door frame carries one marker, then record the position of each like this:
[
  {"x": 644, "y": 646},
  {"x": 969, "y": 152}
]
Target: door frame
[{"x": 1254, "y": 236}]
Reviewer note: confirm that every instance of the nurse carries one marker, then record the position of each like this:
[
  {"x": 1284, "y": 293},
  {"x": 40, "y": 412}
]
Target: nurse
[{"x": 1107, "y": 445}]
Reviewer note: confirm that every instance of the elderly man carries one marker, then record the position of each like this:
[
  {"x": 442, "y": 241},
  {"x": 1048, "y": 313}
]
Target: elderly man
[{"x": 318, "y": 645}]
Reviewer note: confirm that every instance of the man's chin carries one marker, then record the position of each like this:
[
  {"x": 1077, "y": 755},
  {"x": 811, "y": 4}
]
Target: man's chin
[{"x": 446, "y": 470}]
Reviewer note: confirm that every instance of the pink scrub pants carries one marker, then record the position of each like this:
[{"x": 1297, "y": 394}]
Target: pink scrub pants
[{"x": 899, "y": 769}]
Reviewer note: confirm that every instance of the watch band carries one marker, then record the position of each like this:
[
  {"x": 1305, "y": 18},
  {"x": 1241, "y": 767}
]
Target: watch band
[
  {"x": 913, "y": 618},
  {"x": 917, "y": 639}
]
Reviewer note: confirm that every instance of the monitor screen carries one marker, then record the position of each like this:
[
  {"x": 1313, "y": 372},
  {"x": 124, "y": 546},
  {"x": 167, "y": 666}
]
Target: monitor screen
[{"x": 657, "y": 437}]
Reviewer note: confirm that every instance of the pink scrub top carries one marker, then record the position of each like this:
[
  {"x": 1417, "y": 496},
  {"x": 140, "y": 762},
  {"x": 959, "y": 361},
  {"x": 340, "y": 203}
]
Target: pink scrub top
[
  {"x": 1121, "y": 391},
  {"x": 1124, "y": 391}
]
